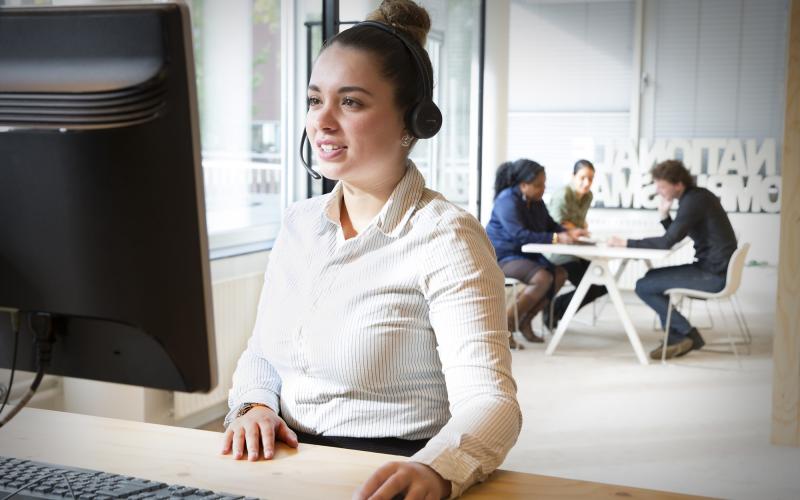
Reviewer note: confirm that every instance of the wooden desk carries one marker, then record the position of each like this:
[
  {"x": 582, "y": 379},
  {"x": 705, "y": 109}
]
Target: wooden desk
[
  {"x": 191, "y": 457},
  {"x": 599, "y": 273}
]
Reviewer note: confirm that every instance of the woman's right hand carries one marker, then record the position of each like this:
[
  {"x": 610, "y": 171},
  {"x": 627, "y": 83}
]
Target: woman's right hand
[
  {"x": 564, "y": 237},
  {"x": 256, "y": 430},
  {"x": 577, "y": 232}
]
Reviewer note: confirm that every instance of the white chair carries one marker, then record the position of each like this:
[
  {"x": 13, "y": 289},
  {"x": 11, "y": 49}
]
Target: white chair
[
  {"x": 513, "y": 283},
  {"x": 732, "y": 282}
]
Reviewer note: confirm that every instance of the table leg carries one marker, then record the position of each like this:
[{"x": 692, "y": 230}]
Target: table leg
[
  {"x": 599, "y": 272},
  {"x": 621, "y": 269},
  {"x": 572, "y": 308},
  {"x": 616, "y": 298}
]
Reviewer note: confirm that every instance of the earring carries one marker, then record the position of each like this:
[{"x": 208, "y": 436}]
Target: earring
[{"x": 405, "y": 141}]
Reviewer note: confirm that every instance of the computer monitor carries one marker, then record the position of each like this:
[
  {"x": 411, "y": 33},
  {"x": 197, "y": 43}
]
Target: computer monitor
[{"x": 102, "y": 216}]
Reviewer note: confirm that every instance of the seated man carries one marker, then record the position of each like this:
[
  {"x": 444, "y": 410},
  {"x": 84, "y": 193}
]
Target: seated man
[{"x": 701, "y": 217}]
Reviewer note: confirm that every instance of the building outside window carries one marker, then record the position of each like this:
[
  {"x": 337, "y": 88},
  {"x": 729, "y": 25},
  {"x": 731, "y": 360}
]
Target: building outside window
[{"x": 238, "y": 69}]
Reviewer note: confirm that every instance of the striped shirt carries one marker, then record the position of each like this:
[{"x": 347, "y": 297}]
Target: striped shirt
[{"x": 397, "y": 332}]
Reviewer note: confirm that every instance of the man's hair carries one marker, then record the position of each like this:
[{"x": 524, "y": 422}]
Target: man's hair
[{"x": 672, "y": 171}]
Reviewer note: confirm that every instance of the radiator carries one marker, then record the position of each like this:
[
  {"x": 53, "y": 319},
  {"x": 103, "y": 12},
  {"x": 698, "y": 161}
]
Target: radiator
[{"x": 235, "y": 304}]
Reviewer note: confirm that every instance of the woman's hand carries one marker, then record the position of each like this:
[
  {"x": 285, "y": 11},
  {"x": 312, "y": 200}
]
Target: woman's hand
[
  {"x": 564, "y": 237},
  {"x": 258, "y": 429},
  {"x": 414, "y": 480},
  {"x": 577, "y": 233}
]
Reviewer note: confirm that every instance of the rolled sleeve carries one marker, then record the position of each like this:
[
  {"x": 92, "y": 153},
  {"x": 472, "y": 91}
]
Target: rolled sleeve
[
  {"x": 254, "y": 381},
  {"x": 464, "y": 289}
]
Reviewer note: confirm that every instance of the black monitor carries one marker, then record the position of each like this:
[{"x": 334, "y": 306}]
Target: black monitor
[{"x": 102, "y": 214}]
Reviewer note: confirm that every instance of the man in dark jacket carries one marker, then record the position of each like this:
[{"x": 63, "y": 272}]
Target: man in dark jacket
[{"x": 701, "y": 217}]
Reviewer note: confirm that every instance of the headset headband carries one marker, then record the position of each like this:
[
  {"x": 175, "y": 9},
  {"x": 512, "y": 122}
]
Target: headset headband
[{"x": 412, "y": 46}]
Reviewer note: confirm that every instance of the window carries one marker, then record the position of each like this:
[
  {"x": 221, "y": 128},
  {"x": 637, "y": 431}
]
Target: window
[
  {"x": 719, "y": 69},
  {"x": 449, "y": 160},
  {"x": 238, "y": 67}
]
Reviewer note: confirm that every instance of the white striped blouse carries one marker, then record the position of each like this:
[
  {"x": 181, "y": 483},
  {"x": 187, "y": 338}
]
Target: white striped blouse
[{"x": 397, "y": 332}]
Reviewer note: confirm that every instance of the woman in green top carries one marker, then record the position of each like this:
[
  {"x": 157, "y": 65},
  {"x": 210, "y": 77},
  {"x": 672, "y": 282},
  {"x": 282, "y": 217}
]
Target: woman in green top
[{"x": 568, "y": 207}]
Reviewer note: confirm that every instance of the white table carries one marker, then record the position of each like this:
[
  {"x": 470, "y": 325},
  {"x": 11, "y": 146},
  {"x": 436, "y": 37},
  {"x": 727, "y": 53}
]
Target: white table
[{"x": 599, "y": 273}]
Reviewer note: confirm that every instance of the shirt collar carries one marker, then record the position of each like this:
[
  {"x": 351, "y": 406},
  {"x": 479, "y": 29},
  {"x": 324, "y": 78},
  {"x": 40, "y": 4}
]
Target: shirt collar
[
  {"x": 332, "y": 209},
  {"x": 395, "y": 212}
]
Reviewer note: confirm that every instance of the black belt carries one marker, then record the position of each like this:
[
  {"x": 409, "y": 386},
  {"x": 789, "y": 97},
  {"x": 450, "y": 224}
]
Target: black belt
[{"x": 392, "y": 446}]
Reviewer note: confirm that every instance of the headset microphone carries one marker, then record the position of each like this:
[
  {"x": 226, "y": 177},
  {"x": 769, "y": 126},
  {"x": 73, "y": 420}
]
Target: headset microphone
[{"x": 305, "y": 162}]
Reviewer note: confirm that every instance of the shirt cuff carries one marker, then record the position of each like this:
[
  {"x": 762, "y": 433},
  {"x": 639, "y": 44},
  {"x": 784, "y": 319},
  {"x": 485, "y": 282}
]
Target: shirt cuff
[
  {"x": 453, "y": 464},
  {"x": 263, "y": 396}
]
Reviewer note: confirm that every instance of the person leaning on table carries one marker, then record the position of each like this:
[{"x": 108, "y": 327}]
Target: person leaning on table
[
  {"x": 381, "y": 322},
  {"x": 519, "y": 216},
  {"x": 569, "y": 206},
  {"x": 701, "y": 217}
]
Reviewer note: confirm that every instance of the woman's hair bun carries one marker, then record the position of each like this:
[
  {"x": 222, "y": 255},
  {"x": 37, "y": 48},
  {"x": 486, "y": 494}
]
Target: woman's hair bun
[{"x": 405, "y": 16}]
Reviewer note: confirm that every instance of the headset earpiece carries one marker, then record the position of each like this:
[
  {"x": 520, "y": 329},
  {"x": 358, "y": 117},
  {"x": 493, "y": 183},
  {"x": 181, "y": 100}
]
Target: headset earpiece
[{"x": 424, "y": 120}]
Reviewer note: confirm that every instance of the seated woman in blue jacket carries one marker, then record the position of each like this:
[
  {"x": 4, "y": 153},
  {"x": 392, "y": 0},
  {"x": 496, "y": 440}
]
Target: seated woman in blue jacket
[{"x": 519, "y": 217}]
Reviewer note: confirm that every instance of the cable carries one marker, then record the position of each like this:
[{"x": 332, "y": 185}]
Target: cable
[
  {"x": 27, "y": 397},
  {"x": 14, "y": 315},
  {"x": 41, "y": 324},
  {"x": 69, "y": 486},
  {"x": 38, "y": 480}
]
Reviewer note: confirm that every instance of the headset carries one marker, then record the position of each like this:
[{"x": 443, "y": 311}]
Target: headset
[{"x": 423, "y": 119}]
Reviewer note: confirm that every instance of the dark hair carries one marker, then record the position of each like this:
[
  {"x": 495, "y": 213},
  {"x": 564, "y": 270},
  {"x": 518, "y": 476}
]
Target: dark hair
[
  {"x": 582, "y": 164},
  {"x": 397, "y": 64},
  {"x": 511, "y": 173},
  {"x": 672, "y": 171}
]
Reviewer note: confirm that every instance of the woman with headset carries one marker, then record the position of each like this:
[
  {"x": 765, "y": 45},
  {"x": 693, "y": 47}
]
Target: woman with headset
[{"x": 380, "y": 325}]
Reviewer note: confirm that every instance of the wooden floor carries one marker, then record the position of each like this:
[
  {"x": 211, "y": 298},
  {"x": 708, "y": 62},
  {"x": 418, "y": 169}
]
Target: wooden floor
[{"x": 700, "y": 425}]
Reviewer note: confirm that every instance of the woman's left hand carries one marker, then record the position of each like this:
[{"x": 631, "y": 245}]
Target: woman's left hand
[
  {"x": 576, "y": 233},
  {"x": 415, "y": 480}
]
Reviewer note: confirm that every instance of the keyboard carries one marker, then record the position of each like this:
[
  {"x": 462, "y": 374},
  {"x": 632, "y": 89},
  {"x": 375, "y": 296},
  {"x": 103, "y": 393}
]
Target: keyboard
[{"x": 28, "y": 480}]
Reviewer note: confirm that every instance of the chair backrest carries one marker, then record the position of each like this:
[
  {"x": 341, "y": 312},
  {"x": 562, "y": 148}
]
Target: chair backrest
[{"x": 735, "y": 266}]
